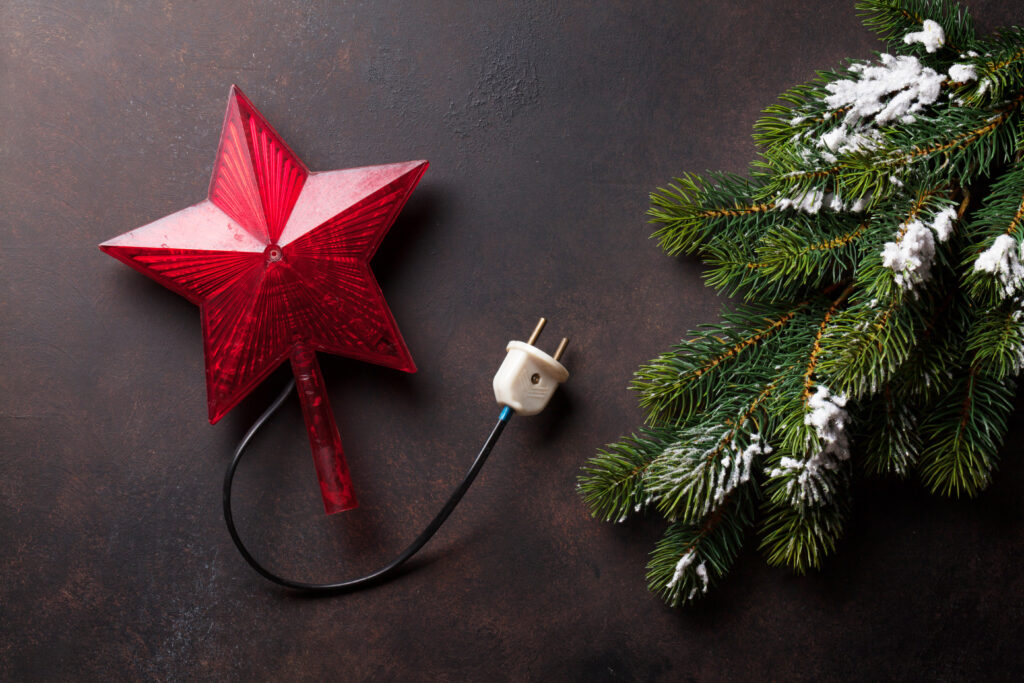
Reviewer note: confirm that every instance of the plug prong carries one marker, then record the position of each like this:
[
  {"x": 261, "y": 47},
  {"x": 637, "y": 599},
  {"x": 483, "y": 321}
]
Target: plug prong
[
  {"x": 536, "y": 331},
  {"x": 561, "y": 348}
]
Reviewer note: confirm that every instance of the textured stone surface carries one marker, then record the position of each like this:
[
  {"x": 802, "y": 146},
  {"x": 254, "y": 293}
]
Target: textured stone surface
[{"x": 546, "y": 124}]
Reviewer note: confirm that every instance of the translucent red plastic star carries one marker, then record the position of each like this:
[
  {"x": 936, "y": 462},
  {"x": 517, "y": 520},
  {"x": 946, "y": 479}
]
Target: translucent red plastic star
[{"x": 277, "y": 258}]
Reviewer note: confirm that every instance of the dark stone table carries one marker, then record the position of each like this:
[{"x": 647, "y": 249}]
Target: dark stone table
[{"x": 546, "y": 125}]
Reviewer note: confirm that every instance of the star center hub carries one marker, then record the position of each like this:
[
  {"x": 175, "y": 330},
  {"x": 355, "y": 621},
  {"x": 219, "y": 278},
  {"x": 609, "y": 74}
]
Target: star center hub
[{"x": 273, "y": 253}]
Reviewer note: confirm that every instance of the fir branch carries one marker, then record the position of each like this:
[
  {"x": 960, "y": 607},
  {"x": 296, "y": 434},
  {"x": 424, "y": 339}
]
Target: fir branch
[
  {"x": 866, "y": 345},
  {"x": 693, "y": 210},
  {"x": 735, "y": 211},
  {"x": 784, "y": 251},
  {"x": 816, "y": 348},
  {"x": 974, "y": 131},
  {"x": 1012, "y": 58},
  {"x": 870, "y": 339},
  {"x": 951, "y": 147},
  {"x": 691, "y": 558},
  {"x": 928, "y": 368},
  {"x": 799, "y": 537},
  {"x": 612, "y": 483},
  {"x": 801, "y": 115},
  {"x": 996, "y": 340},
  {"x": 889, "y": 434},
  {"x": 999, "y": 69},
  {"x": 864, "y": 278},
  {"x": 884, "y": 281},
  {"x": 794, "y": 257},
  {"x": 894, "y": 19},
  {"x": 707, "y": 462},
  {"x": 805, "y": 493},
  {"x": 1000, "y": 218},
  {"x": 674, "y": 385},
  {"x": 963, "y": 434}
]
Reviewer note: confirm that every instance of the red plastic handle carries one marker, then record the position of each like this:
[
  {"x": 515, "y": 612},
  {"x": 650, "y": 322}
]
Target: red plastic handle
[{"x": 324, "y": 439}]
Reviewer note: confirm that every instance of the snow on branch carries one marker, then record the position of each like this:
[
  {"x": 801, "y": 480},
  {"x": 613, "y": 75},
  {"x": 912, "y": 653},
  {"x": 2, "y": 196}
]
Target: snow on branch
[{"x": 931, "y": 36}]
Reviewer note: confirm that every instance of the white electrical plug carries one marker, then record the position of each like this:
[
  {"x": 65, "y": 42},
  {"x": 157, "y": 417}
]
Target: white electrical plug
[{"x": 528, "y": 377}]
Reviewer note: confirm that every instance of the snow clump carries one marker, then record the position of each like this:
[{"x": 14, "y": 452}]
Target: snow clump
[
  {"x": 962, "y": 73},
  {"x": 911, "y": 257},
  {"x": 931, "y": 36},
  {"x": 942, "y": 224},
  {"x": 891, "y": 91},
  {"x": 701, "y": 571},
  {"x": 808, "y": 481},
  {"x": 808, "y": 203},
  {"x": 828, "y": 417},
  {"x": 846, "y": 141},
  {"x": 1003, "y": 260}
]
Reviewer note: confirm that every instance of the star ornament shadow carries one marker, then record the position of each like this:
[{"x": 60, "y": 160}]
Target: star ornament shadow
[{"x": 278, "y": 260}]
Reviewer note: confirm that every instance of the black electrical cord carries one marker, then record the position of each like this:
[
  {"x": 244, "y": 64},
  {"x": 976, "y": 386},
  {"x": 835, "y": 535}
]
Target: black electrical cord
[{"x": 387, "y": 570}]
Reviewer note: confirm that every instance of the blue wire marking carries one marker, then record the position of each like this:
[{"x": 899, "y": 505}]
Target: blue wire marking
[{"x": 506, "y": 414}]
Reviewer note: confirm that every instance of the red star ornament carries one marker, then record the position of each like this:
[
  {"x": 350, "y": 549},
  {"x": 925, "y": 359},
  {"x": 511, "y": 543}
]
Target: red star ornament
[{"x": 278, "y": 260}]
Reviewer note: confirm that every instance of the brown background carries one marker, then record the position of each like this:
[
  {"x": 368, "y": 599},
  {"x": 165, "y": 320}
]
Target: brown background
[{"x": 546, "y": 128}]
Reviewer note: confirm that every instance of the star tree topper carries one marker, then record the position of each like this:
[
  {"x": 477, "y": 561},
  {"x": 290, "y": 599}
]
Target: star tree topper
[{"x": 278, "y": 260}]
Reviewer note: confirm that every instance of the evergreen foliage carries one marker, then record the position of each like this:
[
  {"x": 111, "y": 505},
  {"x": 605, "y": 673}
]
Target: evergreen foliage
[{"x": 877, "y": 246}]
